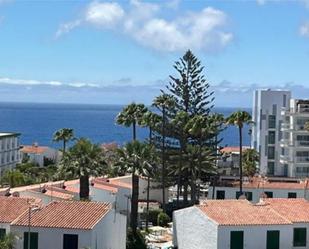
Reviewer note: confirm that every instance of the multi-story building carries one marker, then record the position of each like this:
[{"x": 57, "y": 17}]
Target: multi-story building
[
  {"x": 266, "y": 131},
  {"x": 9, "y": 150},
  {"x": 295, "y": 140}
]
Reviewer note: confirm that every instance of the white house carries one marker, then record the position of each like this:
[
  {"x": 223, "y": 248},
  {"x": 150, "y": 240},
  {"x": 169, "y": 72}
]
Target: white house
[
  {"x": 39, "y": 154},
  {"x": 71, "y": 225},
  {"x": 9, "y": 150},
  {"x": 238, "y": 224},
  {"x": 10, "y": 209},
  {"x": 256, "y": 187}
]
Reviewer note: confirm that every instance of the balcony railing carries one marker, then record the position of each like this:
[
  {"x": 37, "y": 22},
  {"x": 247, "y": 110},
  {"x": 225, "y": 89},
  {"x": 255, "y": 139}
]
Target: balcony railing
[
  {"x": 302, "y": 159},
  {"x": 302, "y": 143}
]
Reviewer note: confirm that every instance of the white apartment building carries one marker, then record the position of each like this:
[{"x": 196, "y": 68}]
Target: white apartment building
[
  {"x": 295, "y": 140},
  {"x": 266, "y": 131},
  {"x": 9, "y": 150}
]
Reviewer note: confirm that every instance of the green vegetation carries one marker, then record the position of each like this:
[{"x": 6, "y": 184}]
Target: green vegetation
[
  {"x": 65, "y": 135},
  {"x": 135, "y": 240},
  {"x": 250, "y": 160},
  {"x": 239, "y": 119},
  {"x": 7, "y": 242},
  {"x": 82, "y": 160},
  {"x": 163, "y": 219}
]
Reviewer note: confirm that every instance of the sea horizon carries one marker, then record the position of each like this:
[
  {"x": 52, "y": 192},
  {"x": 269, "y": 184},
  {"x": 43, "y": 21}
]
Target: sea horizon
[{"x": 38, "y": 121}]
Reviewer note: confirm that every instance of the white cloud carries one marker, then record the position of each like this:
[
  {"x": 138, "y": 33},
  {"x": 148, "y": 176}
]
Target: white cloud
[
  {"x": 142, "y": 21},
  {"x": 67, "y": 27},
  {"x": 304, "y": 29},
  {"x": 105, "y": 15},
  {"x": 261, "y": 2}
]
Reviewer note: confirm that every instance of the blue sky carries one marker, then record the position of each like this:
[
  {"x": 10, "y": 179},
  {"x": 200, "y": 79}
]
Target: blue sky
[{"x": 115, "y": 52}]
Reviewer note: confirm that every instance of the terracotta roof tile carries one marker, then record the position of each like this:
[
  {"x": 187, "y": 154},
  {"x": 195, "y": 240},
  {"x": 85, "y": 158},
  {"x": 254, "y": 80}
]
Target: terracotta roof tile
[
  {"x": 58, "y": 193},
  {"x": 233, "y": 149},
  {"x": 31, "y": 149},
  {"x": 296, "y": 210},
  {"x": 11, "y": 208},
  {"x": 67, "y": 215},
  {"x": 241, "y": 213},
  {"x": 105, "y": 187}
]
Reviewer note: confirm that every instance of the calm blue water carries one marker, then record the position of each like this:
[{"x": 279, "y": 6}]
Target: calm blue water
[{"x": 38, "y": 122}]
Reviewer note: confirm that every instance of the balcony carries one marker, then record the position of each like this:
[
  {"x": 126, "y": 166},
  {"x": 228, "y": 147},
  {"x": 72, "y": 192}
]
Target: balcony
[
  {"x": 302, "y": 159},
  {"x": 285, "y": 159},
  {"x": 302, "y": 143}
]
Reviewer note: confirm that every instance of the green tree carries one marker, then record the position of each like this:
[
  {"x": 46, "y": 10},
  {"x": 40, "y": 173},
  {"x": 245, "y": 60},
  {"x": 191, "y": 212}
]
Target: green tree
[
  {"x": 131, "y": 115},
  {"x": 164, "y": 102},
  {"x": 13, "y": 178},
  {"x": 239, "y": 119},
  {"x": 133, "y": 158},
  {"x": 65, "y": 135},
  {"x": 83, "y": 160},
  {"x": 250, "y": 160},
  {"x": 8, "y": 241}
]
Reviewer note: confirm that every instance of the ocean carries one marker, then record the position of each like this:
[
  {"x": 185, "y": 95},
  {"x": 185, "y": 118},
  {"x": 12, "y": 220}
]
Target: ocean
[{"x": 37, "y": 123}]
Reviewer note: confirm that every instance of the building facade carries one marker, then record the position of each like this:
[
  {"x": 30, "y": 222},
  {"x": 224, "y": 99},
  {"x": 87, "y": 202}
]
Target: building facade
[
  {"x": 239, "y": 224},
  {"x": 9, "y": 150},
  {"x": 266, "y": 131},
  {"x": 295, "y": 140}
]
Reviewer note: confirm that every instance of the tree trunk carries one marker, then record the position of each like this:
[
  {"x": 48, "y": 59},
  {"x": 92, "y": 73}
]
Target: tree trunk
[
  {"x": 185, "y": 191},
  {"x": 163, "y": 160},
  {"x": 147, "y": 208},
  {"x": 134, "y": 202},
  {"x": 193, "y": 188},
  {"x": 240, "y": 160},
  {"x": 64, "y": 146},
  {"x": 134, "y": 130},
  {"x": 178, "y": 189},
  {"x": 84, "y": 187}
]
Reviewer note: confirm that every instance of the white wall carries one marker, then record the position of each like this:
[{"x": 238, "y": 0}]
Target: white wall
[
  {"x": 255, "y": 236},
  {"x": 5, "y": 226},
  {"x": 52, "y": 238},
  {"x": 109, "y": 233},
  {"x": 194, "y": 230}
]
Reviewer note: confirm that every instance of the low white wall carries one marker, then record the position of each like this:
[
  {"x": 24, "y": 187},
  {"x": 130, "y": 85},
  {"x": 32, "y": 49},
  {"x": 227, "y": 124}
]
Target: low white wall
[
  {"x": 194, "y": 230},
  {"x": 255, "y": 237}
]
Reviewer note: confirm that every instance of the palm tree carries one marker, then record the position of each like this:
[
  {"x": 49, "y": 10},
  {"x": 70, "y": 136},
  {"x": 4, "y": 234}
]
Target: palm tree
[
  {"x": 239, "y": 119},
  {"x": 250, "y": 159},
  {"x": 150, "y": 120},
  {"x": 131, "y": 115},
  {"x": 164, "y": 102},
  {"x": 83, "y": 160},
  {"x": 133, "y": 158},
  {"x": 65, "y": 135}
]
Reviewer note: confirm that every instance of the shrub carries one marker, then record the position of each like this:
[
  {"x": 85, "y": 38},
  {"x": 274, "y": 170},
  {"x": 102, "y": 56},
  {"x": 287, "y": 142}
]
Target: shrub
[
  {"x": 163, "y": 219},
  {"x": 135, "y": 241},
  {"x": 153, "y": 216}
]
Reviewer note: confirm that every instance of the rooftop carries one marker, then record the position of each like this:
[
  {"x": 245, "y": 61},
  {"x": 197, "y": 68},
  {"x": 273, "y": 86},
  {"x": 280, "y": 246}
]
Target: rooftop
[
  {"x": 242, "y": 213},
  {"x": 33, "y": 149},
  {"x": 9, "y": 134},
  {"x": 66, "y": 215},
  {"x": 11, "y": 208},
  {"x": 233, "y": 149}
]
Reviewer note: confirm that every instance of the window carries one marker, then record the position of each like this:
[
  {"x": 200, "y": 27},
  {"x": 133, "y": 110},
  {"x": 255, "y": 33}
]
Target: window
[
  {"x": 34, "y": 239},
  {"x": 220, "y": 194},
  {"x": 70, "y": 241},
  {"x": 292, "y": 195},
  {"x": 273, "y": 240},
  {"x": 269, "y": 194},
  {"x": 271, "y": 137},
  {"x": 237, "y": 240},
  {"x": 272, "y": 121},
  {"x": 270, "y": 168},
  {"x": 247, "y": 194},
  {"x": 299, "y": 237},
  {"x": 271, "y": 152},
  {"x": 2, "y": 233}
]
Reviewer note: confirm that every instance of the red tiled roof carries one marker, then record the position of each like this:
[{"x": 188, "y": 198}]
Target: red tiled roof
[
  {"x": 296, "y": 210},
  {"x": 11, "y": 208},
  {"x": 58, "y": 193},
  {"x": 67, "y": 215},
  {"x": 72, "y": 189},
  {"x": 241, "y": 213},
  {"x": 32, "y": 149},
  {"x": 264, "y": 184},
  {"x": 233, "y": 149}
]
